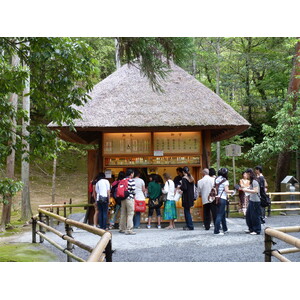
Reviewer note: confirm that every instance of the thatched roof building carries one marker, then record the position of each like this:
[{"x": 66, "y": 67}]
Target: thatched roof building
[{"x": 125, "y": 101}]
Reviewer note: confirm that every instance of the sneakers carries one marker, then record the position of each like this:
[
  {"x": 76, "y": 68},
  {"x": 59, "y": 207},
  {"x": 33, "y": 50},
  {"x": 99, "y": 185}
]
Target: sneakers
[
  {"x": 121, "y": 231},
  {"x": 158, "y": 226},
  {"x": 130, "y": 233},
  {"x": 226, "y": 231},
  {"x": 220, "y": 233},
  {"x": 187, "y": 228},
  {"x": 253, "y": 233},
  {"x": 247, "y": 231},
  {"x": 148, "y": 226}
]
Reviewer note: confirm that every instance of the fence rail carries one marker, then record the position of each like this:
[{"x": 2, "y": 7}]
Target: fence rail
[
  {"x": 281, "y": 234},
  {"x": 101, "y": 252},
  {"x": 234, "y": 204}
]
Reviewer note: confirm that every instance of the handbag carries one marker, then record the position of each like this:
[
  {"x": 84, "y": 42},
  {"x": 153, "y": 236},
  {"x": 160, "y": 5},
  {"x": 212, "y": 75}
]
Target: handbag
[
  {"x": 264, "y": 200},
  {"x": 154, "y": 203},
  {"x": 101, "y": 199},
  {"x": 139, "y": 205},
  {"x": 177, "y": 196}
]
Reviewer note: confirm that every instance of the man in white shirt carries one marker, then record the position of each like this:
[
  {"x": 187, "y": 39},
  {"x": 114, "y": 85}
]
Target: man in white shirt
[
  {"x": 103, "y": 194},
  {"x": 204, "y": 187}
]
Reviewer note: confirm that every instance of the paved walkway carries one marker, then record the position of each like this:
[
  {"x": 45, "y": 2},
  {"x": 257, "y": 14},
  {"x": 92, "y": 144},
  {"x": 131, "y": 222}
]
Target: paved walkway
[{"x": 161, "y": 245}]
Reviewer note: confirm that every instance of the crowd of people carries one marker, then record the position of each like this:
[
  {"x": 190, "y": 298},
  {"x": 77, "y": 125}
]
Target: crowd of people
[{"x": 163, "y": 192}]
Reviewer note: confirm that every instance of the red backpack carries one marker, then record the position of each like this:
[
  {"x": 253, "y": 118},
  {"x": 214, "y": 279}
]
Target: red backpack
[{"x": 122, "y": 189}]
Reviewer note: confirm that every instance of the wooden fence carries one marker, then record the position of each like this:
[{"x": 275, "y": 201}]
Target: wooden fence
[
  {"x": 44, "y": 220},
  {"x": 233, "y": 203},
  {"x": 281, "y": 234}
]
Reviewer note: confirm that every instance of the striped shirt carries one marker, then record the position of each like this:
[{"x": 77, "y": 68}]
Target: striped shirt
[{"x": 131, "y": 188}]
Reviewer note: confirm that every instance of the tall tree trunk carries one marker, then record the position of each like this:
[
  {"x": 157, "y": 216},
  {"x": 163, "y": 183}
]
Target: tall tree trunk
[
  {"x": 218, "y": 93},
  {"x": 248, "y": 95},
  {"x": 54, "y": 175},
  {"x": 10, "y": 161},
  {"x": 117, "y": 54},
  {"x": 26, "y": 212},
  {"x": 284, "y": 158}
]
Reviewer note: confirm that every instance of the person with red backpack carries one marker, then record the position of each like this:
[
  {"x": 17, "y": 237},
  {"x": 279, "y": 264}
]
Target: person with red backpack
[
  {"x": 126, "y": 192},
  {"x": 117, "y": 207}
]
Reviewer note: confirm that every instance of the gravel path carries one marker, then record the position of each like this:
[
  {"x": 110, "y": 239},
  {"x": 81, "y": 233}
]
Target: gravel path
[{"x": 161, "y": 245}]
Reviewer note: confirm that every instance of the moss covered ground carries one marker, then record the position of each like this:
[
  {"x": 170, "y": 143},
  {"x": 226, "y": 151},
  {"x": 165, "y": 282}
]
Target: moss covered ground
[{"x": 25, "y": 252}]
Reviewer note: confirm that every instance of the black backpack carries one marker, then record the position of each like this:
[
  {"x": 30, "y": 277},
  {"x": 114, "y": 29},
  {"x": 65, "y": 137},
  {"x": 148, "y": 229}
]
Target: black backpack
[{"x": 113, "y": 192}]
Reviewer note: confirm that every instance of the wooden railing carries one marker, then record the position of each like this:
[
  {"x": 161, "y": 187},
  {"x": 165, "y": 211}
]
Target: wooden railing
[
  {"x": 102, "y": 251},
  {"x": 233, "y": 204},
  {"x": 280, "y": 233}
]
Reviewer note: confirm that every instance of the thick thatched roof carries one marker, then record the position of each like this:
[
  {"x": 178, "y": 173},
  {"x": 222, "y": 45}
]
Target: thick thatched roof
[{"x": 125, "y": 101}]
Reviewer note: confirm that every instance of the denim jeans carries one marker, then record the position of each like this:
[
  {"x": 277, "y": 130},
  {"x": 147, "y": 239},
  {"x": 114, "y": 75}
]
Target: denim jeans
[
  {"x": 188, "y": 218},
  {"x": 113, "y": 219},
  {"x": 221, "y": 216},
  {"x": 253, "y": 215},
  {"x": 103, "y": 212},
  {"x": 137, "y": 219}
]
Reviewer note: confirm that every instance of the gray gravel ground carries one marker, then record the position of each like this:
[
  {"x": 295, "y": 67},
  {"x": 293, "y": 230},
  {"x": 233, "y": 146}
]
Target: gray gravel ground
[{"x": 161, "y": 245}]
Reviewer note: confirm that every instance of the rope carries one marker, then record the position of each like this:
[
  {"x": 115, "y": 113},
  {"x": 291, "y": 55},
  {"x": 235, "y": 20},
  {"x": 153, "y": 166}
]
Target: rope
[{"x": 269, "y": 252}]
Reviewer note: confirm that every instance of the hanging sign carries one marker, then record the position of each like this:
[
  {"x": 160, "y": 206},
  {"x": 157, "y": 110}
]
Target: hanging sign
[
  {"x": 158, "y": 153},
  {"x": 233, "y": 150}
]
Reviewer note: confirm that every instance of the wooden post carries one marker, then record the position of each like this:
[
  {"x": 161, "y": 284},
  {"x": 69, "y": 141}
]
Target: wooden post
[
  {"x": 57, "y": 212},
  {"x": 69, "y": 244},
  {"x": 40, "y": 227},
  {"x": 65, "y": 210},
  {"x": 70, "y": 206},
  {"x": 33, "y": 230},
  {"x": 108, "y": 252},
  {"x": 268, "y": 248},
  {"x": 50, "y": 219}
]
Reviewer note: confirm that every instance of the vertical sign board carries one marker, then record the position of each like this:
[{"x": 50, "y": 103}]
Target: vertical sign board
[{"x": 233, "y": 150}]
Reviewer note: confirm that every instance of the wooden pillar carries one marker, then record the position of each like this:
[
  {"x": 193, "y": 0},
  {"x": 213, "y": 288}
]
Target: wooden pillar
[
  {"x": 206, "y": 144},
  {"x": 95, "y": 165}
]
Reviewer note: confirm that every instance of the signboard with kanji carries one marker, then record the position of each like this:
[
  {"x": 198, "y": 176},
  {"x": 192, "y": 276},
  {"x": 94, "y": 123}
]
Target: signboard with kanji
[{"x": 233, "y": 150}]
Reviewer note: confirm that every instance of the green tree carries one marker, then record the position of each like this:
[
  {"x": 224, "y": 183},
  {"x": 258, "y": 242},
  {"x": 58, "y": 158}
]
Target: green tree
[{"x": 283, "y": 139}]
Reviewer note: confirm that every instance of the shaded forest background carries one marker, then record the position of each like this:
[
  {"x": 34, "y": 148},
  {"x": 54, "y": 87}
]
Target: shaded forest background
[{"x": 255, "y": 75}]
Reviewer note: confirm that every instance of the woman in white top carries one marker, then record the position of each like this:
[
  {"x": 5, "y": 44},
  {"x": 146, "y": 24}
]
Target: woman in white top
[
  {"x": 223, "y": 191},
  {"x": 103, "y": 195},
  {"x": 140, "y": 191},
  {"x": 170, "y": 212}
]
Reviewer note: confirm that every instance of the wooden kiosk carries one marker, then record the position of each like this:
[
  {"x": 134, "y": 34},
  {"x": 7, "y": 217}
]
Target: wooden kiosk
[{"x": 136, "y": 127}]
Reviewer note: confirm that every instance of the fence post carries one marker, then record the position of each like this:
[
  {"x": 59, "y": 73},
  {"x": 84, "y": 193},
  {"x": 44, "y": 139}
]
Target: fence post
[
  {"x": 33, "y": 230},
  {"x": 57, "y": 212},
  {"x": 50, "y": 220},
  {"x": 65, "y": 210},
  {"x": 268, "y": 248},
  {"x": 40, "y": 227},
  {"x": 70, "y": 206},
  {"x": 69, "y": 244},
  {"x": 108, "y": 252}
]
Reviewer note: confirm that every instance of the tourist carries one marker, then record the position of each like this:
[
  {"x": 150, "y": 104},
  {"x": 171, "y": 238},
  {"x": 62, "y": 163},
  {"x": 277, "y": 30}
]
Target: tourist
[
  {"x": 253, "y": 213},
  {"x": 154, "y": 192},
  {"x": 103, "y": 195},
  {"x": 204, "y": 186},
  {"x": 93, "y": 197},
  {"x": 244, "y": 199},
  {"x": 187, "y": 188},
  {"x": 140, "y": 191},
  {"x": 262, "y": 188},
  {"x": 117, "y": 207},
  {"x": 178, "y": 178},
  {"x": 212, "y": 172},
  {"x": 127, "y": 206},
  {"x": 223, "y": 191},
  {"x": 170, "y": 212}
]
